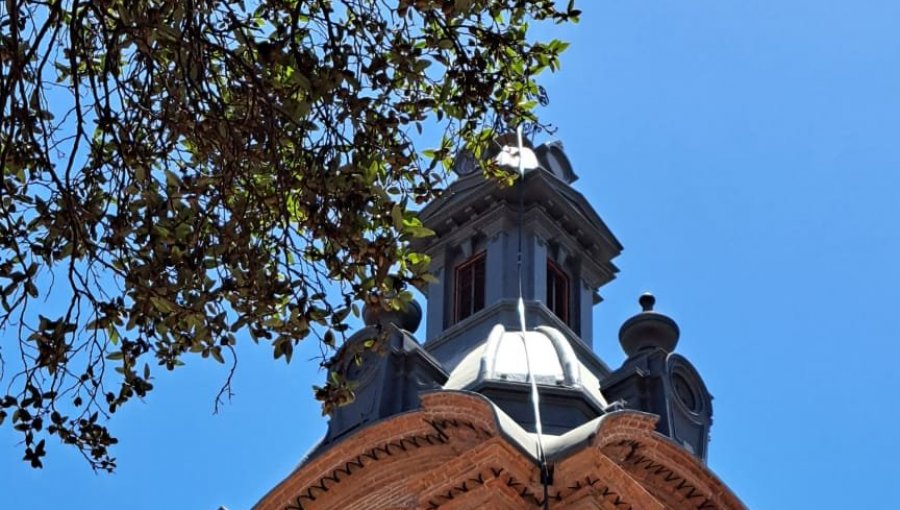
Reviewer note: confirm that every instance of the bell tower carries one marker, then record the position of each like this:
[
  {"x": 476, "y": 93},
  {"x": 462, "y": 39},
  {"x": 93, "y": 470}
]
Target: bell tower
[{"x": 566, "y": 255}]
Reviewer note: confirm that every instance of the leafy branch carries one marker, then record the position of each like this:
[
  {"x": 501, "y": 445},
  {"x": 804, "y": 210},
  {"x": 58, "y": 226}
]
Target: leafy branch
[{"x": 177, "y": 172}]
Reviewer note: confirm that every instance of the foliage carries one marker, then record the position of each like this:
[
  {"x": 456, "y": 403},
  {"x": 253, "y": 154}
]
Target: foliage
[{"x": 178, "y": 171}]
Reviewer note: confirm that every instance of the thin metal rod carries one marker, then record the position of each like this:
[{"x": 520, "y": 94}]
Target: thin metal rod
[{"x": 535, "y": 395}]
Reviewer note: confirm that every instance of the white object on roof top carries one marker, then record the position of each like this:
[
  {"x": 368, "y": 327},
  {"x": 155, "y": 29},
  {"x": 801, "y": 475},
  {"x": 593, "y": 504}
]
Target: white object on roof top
[{"x": 509, "y": 157}]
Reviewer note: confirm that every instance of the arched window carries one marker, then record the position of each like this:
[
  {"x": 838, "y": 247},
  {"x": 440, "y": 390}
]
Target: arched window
[
  {"x": 469, "y": 287},
  {"x": 557, "y": 291}
]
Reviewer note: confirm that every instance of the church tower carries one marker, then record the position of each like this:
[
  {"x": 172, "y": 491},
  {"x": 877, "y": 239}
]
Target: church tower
[{"x": 486, "y": 413}]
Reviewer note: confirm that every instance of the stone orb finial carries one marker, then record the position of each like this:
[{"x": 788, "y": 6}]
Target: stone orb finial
[
  {"x": 648, "y": 329},
  {"x": 408, "y": 319},
  {"x": 647, "y": 301}
]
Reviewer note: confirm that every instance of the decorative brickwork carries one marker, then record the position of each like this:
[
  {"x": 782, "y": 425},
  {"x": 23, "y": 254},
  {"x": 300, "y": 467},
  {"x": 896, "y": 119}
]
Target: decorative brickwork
[{"x": 454, "y": 455}]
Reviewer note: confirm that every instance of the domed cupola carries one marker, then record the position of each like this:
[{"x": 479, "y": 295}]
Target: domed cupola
[
  {"x": 499, "y": 368},
  {"x": 549, "y": 357}
]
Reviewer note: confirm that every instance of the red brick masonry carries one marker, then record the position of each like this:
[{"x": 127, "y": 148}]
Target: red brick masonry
[{"x": 453, "y": 455}]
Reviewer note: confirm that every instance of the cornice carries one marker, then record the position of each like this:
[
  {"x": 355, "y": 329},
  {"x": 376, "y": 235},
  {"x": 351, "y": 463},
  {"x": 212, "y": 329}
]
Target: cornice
[{"x": 459, "y": 442}]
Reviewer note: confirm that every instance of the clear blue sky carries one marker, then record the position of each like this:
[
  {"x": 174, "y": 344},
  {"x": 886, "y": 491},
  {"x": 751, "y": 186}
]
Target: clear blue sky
[{"x": 747, "y": 155}]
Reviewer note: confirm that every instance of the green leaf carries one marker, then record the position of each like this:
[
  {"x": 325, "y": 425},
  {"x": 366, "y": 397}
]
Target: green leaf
[
  {"x": 397, "y": 216},
  {"x": 162, "y": 304},
  {"x": 113, "y": 334},
  {"x": 418, "y": 231}
]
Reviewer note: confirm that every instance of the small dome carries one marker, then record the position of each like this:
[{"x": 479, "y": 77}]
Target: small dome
[
  {"x": 510, "y": 361},
  {"x": 503, "y": 357}
]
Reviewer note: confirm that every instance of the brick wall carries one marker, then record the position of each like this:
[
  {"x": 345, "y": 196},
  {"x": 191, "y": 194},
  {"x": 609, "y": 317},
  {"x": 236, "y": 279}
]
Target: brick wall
[{"x": 452, "y": 455}]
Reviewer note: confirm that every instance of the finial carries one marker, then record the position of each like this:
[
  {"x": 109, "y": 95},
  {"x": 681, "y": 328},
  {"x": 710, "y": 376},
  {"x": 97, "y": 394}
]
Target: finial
[
  {"x": 648, "y": 329},
  {"x": 647, "y": 301},
  {"x": 408, "y": 318}
]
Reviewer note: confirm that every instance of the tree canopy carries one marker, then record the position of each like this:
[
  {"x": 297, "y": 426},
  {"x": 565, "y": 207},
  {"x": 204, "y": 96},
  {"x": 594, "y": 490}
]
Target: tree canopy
[{"x": 178, "y": 173}]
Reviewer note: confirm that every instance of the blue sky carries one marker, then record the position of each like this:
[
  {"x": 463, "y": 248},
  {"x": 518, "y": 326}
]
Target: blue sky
[{"x": 746, "y": 155}]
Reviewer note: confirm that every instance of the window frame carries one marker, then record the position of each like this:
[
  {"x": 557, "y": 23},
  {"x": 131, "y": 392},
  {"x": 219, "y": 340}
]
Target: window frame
[
  {"x": 554, "y": 272},
  {"x": 458, "y": 273}
]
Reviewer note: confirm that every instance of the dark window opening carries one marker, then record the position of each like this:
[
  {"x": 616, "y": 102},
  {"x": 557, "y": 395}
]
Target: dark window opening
[
  {"x": 470, "y": 286},
  {"x": 557, "y": 291}
]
